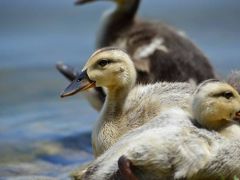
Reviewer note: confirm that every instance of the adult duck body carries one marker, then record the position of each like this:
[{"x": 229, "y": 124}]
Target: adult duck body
[{"x": 159, "y": 52}]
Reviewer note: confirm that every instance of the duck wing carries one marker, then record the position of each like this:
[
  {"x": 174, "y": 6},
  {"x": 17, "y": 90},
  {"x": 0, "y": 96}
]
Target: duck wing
[{"x": 161, "y": 53}]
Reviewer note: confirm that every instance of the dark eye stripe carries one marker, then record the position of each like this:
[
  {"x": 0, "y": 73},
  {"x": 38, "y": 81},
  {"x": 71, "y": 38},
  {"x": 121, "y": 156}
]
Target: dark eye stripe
[
  {"x": 103, "y": 62},
  {"x": 225, "y": 94}
]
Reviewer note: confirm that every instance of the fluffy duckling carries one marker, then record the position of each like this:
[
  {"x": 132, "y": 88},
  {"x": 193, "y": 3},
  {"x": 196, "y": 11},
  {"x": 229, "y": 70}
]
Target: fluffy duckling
[
  {"x": 126, "y": 107},
  {"x": 216, "y": 106},
  {"x": 159, "y": 52},
  {"x": 168, "y": 147}
]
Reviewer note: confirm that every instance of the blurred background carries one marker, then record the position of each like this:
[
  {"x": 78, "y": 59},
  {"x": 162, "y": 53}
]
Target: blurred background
[{"x": 41, "y": 134}]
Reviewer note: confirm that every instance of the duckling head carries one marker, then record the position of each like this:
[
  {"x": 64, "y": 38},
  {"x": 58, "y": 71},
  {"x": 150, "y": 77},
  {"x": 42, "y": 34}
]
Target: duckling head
[
  {"x": 216, "y": 104},
  {"x": 108, "y": 67}
]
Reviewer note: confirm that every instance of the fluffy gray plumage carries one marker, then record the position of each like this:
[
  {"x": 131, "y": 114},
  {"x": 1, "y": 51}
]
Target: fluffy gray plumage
[{"x": 170, "y": 147}]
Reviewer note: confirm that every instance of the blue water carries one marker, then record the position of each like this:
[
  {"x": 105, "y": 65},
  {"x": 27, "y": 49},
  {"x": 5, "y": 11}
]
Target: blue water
[{"x": 41, "y": 134}]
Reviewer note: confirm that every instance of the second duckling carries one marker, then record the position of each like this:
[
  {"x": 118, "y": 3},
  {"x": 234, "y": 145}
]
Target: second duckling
[
  {"x": 216, "y": 106},
  {"x": 126, "y": 107},
  {"x": 168, "y": 147},
  {"x": 171, "y": 147}
]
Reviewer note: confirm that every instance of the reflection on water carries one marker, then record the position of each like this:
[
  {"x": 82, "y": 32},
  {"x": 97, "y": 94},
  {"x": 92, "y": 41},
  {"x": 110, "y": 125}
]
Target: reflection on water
[
  {"x": 40, "y": 133},
  {"x": 43, "y": 135}
]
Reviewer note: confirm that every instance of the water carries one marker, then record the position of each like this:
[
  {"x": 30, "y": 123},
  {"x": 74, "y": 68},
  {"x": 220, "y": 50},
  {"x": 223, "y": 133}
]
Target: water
[{"x": 41, "y": 134}]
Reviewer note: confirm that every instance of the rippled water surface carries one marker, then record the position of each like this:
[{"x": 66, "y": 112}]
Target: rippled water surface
[{"x": 43, "y": 135}]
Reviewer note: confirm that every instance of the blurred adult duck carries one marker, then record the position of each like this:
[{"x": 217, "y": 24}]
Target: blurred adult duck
[
  {"x": 127, "y": 106},
  {"x": 159, "y": 52},
  {"x": 216, "y": 106}
]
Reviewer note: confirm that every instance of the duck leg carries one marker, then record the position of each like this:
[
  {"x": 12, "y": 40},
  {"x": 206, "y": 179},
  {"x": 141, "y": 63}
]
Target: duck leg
[
  {"x": 125, "y": 169},
  {"x": 67, "y": 71}
]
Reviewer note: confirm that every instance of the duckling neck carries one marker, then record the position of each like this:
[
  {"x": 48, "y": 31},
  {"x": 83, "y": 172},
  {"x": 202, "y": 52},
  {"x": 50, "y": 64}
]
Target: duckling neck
[
  {"x": 106, "y": 131},
  {"x": 116, "y": 21},
  {"x": 114, "y": 103}
]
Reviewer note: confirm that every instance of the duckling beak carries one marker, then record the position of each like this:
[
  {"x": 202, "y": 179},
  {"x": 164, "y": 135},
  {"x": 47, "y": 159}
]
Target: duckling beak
[
  {"x": 80, "y": 2},
  {"x": 237, "y": 117},
  {"x": 81, "y": 83}
]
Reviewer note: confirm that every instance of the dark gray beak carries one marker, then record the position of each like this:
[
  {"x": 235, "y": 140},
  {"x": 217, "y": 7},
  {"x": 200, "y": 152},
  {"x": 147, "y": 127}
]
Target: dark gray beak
[
  {"x": 80, "y": 2},
  {"x": 81, "y": 83},
  {"x": 237, "y": 117}
]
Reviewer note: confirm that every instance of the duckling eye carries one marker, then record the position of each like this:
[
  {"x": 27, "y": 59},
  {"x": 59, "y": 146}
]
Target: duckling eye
[
  {"x": 103, "y": 62},
  {"x": 227, "y": 94}
]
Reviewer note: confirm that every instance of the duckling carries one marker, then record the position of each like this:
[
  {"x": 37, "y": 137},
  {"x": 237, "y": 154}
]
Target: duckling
[
  {"x": 167, "y": 147},
  {"x": 126, "y": 106},
  {"x": 213, "y": 101},
  {"x": 159, "y": 52},
  {"x": 216, "y": 106}
]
